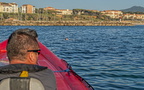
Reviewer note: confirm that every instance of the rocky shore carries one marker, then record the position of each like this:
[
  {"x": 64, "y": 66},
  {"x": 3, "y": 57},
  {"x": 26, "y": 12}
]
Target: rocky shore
[{"x": 64, "y": 23}]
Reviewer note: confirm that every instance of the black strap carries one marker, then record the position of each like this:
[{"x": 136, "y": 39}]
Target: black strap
[
  {"x": 19, "y": 83},
  {"x": 67, "y": 70}
]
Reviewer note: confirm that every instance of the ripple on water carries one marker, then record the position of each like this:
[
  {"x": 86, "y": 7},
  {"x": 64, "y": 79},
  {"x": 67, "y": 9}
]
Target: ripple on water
[{"x": 108, "y": 57}]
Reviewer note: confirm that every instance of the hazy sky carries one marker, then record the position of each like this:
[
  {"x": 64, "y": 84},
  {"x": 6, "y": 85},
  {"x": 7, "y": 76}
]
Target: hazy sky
[{"x": 81, "y": 4}]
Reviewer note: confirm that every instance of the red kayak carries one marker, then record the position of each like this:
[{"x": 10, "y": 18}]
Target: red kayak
[{"x": 66, "y": 78}]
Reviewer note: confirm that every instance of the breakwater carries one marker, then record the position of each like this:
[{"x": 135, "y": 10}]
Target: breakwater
[{"x": 64, "y": 23}]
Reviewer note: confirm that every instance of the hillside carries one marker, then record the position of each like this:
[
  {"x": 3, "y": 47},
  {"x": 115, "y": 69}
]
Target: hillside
[{"x": 134, "y": 9}]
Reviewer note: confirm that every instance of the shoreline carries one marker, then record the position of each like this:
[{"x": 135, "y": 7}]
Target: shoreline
[{"x": 65, "y": 23}]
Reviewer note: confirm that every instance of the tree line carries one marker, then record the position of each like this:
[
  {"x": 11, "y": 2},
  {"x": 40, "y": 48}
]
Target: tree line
[{"x": 51, "y": 15}]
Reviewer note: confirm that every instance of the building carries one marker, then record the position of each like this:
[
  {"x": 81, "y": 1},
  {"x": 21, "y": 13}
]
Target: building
[
  {"x": 60, "y": 11},
  {"x": 140, "y": 16},
  {"x": 134, "y": 16},
  {"x": 27, "y": 8},
  {"x": 64, "y": 11},
  {"x": 113, "y": 13},
  {"x": 94, "y": 10},
  {"x": 129, "y": 16},
  {"x": 49, "y": 8},
  {"x": 8, "y": 7}
]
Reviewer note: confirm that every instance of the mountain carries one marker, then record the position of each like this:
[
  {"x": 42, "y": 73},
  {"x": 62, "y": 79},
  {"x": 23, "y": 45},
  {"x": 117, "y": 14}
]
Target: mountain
[{"x": 134, "y": 9}]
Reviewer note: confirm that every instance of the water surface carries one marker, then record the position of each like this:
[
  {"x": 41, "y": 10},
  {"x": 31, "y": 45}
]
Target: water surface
[{"x": 108, "y": 57}]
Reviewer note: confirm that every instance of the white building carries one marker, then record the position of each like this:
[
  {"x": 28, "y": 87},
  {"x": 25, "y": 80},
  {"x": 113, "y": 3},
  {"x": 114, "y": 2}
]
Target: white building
[
  {"x": 64, "y": 11},
  {"x": 8, "y": 7}
]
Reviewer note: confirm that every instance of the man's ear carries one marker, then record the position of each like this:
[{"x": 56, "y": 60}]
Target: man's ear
[{"x": 32, "y": 58}]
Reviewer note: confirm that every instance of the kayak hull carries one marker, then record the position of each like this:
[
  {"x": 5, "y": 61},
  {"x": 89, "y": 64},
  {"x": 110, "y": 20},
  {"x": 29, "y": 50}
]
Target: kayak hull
[{"x": 66, "y": 78}]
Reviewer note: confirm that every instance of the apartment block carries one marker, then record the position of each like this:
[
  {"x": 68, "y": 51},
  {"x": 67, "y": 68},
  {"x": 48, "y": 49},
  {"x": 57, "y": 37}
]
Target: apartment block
[
  {"x": 112, "y": 13},
  {"x": 27, "y": 8},
  {"x": 8, "y": 7}
]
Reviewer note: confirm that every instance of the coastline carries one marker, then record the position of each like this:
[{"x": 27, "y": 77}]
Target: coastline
[{"x": 65, "y": 23}]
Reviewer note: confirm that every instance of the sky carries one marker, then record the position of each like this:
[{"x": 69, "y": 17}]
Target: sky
[{"x": 81, "y": 4}]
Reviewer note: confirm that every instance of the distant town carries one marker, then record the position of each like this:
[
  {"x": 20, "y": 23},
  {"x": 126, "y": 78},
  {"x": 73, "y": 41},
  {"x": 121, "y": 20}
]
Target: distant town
[{"x": 27, "y": 12}]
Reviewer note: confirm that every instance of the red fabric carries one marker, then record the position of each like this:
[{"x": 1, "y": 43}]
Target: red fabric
[{"x": 65, "y": 80}]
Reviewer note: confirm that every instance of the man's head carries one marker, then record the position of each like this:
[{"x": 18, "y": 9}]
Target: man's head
[
  {"x": 19, "y": 42},
  {"x": 28, "y": 31}
]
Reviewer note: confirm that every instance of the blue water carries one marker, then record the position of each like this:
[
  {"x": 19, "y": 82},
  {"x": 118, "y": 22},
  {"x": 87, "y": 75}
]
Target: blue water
[{"x": 108, "y": 57}]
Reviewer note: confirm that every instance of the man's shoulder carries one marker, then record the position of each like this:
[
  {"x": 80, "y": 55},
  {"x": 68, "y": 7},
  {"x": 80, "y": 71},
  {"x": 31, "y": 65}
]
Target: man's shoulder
[
  {"x": 42, "y": 74},
  {"x": 46, "y": 73},
  {"x": 15, "y": 68}
]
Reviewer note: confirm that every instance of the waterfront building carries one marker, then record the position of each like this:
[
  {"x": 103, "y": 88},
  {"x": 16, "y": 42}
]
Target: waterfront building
[
  {"x": 27, "y": 8},
  {"x": 133, "y": 16},
  {"x": 64, "y": 11},
  {"x": 8, "y": 7},
  {"x": 113, "y": 13},
  {"x": 49, "y": 8},
  {"x": 140, "y": 16},
  {"x": 60, "y": 11},
  {"x": 129, "y": 16}
]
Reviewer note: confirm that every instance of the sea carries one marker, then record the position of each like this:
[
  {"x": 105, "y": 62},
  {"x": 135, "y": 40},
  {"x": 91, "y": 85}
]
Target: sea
[{"x": 107, "y": 57}]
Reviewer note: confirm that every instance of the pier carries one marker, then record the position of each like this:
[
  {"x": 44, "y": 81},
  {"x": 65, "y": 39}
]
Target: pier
[{"x": 64, "y": 23}]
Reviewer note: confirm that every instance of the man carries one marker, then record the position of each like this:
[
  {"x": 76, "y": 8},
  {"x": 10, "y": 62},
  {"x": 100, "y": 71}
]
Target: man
[{"x": 22, "y": 51}]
